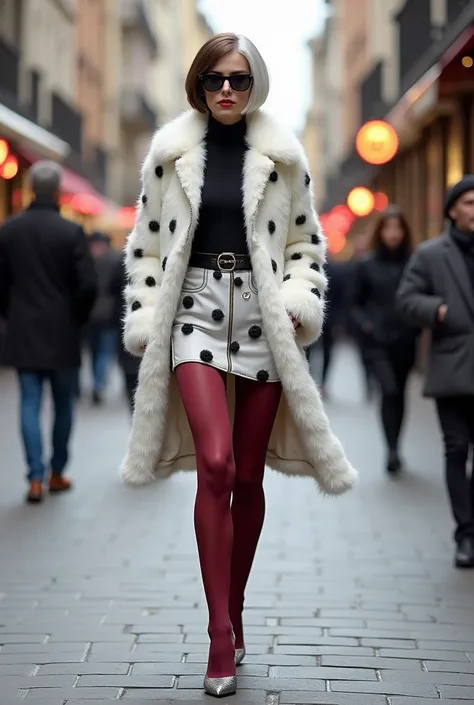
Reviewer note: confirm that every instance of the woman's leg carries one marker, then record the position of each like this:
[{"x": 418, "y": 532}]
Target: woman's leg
[
  {"x": 255, "y": 410},
  {"x": 203, "y": 393}
]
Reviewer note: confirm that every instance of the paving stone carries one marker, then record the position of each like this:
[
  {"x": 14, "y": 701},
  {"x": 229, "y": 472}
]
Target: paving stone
[{"x": 130, "y": 608}]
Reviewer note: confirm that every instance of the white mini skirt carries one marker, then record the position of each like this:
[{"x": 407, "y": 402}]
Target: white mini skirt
[{"x": 219, "y": 323}]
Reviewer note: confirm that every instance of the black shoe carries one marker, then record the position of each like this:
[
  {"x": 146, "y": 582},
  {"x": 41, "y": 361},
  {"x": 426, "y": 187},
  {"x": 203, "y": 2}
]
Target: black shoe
[
  {"x": 464, "y": 557},
  {"x": 393, "y": 463},
  {"x": 97, "y": 398}
]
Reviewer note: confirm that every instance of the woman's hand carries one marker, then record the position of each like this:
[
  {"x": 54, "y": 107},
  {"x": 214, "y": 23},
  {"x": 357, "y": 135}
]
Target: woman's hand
[{"x": 296, "y": 324}]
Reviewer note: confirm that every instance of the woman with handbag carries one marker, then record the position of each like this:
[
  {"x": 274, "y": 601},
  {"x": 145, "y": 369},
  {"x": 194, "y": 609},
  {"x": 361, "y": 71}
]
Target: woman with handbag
[{"x": 226, "y": 288}]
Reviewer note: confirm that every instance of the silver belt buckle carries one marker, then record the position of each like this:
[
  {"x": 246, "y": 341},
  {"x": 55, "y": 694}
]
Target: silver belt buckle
[{"x": 225, "y": 259}]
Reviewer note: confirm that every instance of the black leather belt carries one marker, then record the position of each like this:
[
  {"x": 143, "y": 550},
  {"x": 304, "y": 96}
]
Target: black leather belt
[{"x": 225, "y": 262}]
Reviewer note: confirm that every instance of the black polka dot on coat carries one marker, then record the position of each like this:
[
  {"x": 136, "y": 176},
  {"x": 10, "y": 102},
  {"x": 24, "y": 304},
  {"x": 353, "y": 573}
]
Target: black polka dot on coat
[
  {"x": 206, "y": 355},
  {"x": 217, "y": 314},
  {"x": 315, "y": 266},
  {"x": 296, "y": 255},
  {"x": 307, "y": 179},
  {"x": 150, "y": 281},
  {"x": 138, "y": 252},
  {"x": 187, "y": 328},
  {"x": 315, "y": 239},
  {"x": 154, "y": 226},
  {"x": 163, "y": 264},
  {"x": 144, "y": 198},
  {"x": 274, "y": 176},
  {"x": 238, "y": 281},
  {"x": 274, "y": 265},
  {"x": 234, "y": 347},
  {"x": 188, "y": 302},
  {"x": 271, "y": 227},
  {"x": 255, "y": 332},
  {"x": 262, "y": 375},
  {"x": 136, "y": 305},
  {"x": 159, "y": 171},
  {"x": 288, "y": 276},
  {"x": 300, "y": 219},
  {"x": 217, "y": 275},
  {"x": 172, "y": 225},
  {"x": 316, "y": 292}
]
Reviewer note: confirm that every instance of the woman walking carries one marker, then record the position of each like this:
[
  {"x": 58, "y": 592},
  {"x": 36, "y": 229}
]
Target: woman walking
[
  {"x": 226, "y": 287},
  {"x": 390, "y": 343}
]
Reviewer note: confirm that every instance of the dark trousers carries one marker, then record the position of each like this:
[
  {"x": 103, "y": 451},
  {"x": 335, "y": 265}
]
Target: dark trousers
[
  {"x": 102, "y": 346},
  {"x": 62, "y": 390},
  {"x": 131, "y": 383},
  {"x": 327, "y": 343},
  {"x": 391, "y": 365},
  {"x": 456, "y": 417}
]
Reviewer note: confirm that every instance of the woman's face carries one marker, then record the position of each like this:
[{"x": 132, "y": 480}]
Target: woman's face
[
  {"x": 226, "y": 103},
  {"x": 392, "y": 233}
]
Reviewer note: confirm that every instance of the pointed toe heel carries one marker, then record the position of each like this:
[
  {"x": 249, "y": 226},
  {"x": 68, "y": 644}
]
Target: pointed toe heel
[
  {"x": 239, "y": 656},
  {"x": 220, "y": 687}
]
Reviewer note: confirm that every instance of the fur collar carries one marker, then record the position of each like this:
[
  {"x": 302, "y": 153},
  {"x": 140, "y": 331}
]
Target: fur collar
[{"x": 264, "y": 134}]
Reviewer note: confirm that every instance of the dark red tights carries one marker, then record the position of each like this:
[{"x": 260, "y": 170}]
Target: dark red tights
[{"x": 229, "y": 463}]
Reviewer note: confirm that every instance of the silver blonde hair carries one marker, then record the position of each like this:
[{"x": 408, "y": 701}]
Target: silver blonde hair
[{"x": 259, "y": 71}]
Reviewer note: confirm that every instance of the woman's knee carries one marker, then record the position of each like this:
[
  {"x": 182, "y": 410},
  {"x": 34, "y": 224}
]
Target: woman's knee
[{"x": 217, "y": 471}]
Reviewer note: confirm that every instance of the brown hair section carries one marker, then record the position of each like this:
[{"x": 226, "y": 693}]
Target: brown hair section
[{"x": 208, "y": 55}]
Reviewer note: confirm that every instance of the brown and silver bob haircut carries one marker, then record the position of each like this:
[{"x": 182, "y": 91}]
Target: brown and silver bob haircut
[{"x": 208, "y": 56}]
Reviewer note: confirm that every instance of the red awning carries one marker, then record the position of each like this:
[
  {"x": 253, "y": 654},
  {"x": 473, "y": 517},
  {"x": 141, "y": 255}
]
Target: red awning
[{"x": 79, "y": 192}]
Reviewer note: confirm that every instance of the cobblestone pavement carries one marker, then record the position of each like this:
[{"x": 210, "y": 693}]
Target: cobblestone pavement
[{"x": 353, "y": 601}]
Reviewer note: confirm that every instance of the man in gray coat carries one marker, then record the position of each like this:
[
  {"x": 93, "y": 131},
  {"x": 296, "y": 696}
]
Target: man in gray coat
[{"x": 437, "y": 292}]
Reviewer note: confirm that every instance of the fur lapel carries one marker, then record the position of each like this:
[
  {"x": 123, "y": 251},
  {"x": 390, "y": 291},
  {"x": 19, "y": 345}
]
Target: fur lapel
[{"x": 264, "y": 134}]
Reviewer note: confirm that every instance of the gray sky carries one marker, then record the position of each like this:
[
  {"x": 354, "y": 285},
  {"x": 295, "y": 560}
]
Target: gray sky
[{"x": 280, "y": 31}]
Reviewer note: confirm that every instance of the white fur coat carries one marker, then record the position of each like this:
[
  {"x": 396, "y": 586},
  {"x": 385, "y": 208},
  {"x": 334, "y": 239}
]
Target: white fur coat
[{"x": 287, "y": 249}]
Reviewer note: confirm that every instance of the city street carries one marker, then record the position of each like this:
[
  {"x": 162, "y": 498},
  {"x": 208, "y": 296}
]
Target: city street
[{"x": 353, "y": 601}]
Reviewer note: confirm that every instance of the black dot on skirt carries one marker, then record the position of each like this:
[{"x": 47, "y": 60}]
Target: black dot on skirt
[
  {"x": 217, "y": 275},
  {"x": 206, "y": 355},
  {"x": 262, "y": 376},
  {"x": 217, "y": 314},
  {"x": 188, "y": 302},
  {"x": 255, "y": 332},
  {"x": 234, "y": 347},
  {"x": 238, "y": 281},
  {"x": 187, "y": 328}
]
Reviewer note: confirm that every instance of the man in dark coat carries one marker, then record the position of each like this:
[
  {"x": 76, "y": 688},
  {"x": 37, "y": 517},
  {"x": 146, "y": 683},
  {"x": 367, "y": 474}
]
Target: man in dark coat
[
  {"x": 47, "y": 289},
  {"x": 437, "y": 292}
]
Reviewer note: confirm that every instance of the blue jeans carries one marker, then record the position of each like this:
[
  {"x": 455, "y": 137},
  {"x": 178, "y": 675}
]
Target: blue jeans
[
  {"x": 103, "y": 347},
  {"x": 62, "y": 390}
]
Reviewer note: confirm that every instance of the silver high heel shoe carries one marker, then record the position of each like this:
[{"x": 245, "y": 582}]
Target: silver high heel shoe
[
  {"x": 239, "y": 656},
  {"x": 220, "y": 687}
]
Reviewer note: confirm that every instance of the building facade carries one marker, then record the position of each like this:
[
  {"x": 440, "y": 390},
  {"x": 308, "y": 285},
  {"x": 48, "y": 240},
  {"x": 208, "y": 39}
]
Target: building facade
[{"x": 411, "y": 64}]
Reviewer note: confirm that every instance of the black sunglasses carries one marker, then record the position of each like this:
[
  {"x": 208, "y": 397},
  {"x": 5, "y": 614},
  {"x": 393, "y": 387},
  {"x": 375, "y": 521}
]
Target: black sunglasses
[{"x": 213, "y": 82}]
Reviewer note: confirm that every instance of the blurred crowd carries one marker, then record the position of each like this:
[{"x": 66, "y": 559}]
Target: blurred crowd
[{"x": 62, "y": 301}]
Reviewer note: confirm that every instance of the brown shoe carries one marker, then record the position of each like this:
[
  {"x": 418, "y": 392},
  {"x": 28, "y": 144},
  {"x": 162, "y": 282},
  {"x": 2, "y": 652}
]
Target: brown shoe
[
  {"x": 35, "y": 493},
  {"x": 58, "y": 483}
]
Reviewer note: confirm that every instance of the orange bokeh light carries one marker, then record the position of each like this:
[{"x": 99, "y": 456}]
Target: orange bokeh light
[
  {"x": 4, "y": 149},
  {"x": 377, "y": 142},
  {"x": 361, "y": 201},
  {"x": 336, "y": 242},
  {"x": 380, "y": 201},
  {"x": 9, "y": 168}
]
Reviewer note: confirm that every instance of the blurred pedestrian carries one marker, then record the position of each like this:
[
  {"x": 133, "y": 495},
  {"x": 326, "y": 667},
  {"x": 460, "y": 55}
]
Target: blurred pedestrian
[
  {"x": 336, "y": 299},
  {"x": 389, "y": 341},
  {"x": 437, "y": 292},
  {"x": 102, "y": 332},
  {"x": 360, "y": 247},
  {"x": 227, "y": 233},
  {"x": 47, "y": 290},
  {"x": 129, "y": 364}
]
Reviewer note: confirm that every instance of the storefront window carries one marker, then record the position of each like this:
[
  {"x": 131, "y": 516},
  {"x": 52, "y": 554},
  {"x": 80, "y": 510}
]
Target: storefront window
[
  {"x": 454, "y": 151},
  {"x": 434, "y": 181}
]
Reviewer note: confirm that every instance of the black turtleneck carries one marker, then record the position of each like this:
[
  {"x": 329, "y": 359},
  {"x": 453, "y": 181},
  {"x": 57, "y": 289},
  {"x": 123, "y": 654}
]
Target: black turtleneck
[{"x": 221, "y": 226}]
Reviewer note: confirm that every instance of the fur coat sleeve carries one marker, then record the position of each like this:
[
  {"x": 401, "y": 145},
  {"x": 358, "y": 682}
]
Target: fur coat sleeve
[
  {"x": 304, "y": 281},
  {"x": 143, "y": 262}
]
